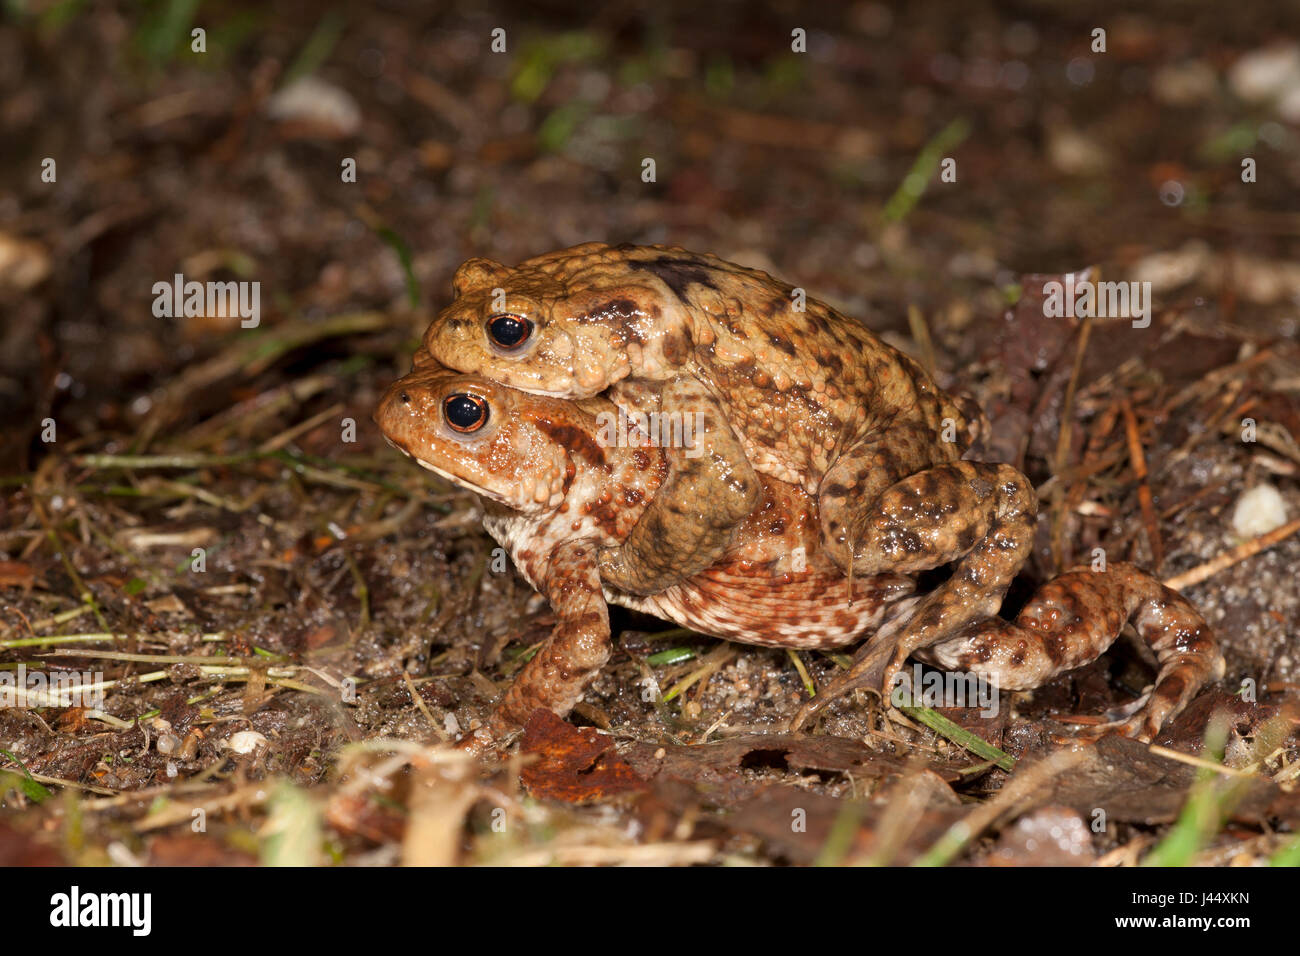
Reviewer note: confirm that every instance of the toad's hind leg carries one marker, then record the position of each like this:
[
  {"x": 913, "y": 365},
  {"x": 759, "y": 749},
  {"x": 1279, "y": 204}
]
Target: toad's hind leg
[
  {"x": 978, "y": 515},
  {"x": 1072, "y": 619}
]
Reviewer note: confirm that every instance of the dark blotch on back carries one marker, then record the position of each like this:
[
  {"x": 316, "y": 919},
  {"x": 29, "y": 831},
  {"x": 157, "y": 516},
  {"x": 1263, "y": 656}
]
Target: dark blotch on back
[
  {"x": 575, "y": 439},
  {"x": 674, "y": 349},
  {"x": 618, "y": 313},
  {"x": 616, "y": 308},
  {"x": 676, "y": 273},
  {"x": 784, "y": 344}
]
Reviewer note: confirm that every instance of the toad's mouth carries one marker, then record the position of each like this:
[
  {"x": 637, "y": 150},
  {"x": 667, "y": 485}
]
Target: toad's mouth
[{"x": 458, "y": 480}]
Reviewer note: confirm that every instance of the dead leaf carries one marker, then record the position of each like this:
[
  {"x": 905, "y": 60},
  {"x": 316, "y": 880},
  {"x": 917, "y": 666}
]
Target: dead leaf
[
  {"x": 19, "y": 849},
  {"x": 575, "y": 765},
  {"x": 187, "y": 849}
]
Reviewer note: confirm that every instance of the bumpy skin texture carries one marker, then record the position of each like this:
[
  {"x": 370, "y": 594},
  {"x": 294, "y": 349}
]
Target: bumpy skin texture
[
  {"x": 707, "y": 493},
  {"x": 815, "y": 398},
  {"x": 558, "y": 491},
  {"x": 1072, "y": 619}
]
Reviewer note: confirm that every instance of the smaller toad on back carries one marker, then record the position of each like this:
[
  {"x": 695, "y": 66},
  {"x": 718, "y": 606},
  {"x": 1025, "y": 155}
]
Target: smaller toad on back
[{"x": 557, "y": 489}]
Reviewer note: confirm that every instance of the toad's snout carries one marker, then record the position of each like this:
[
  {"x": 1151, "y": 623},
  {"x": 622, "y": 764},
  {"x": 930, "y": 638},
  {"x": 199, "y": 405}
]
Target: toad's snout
[{"x": 406, "y": 411}]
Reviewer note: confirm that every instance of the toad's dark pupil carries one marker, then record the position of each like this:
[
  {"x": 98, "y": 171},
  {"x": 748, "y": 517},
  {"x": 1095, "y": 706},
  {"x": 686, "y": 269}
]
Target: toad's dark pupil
[
  {"x": 465, "y": 413},
  {"x": 508, "y": 330}
]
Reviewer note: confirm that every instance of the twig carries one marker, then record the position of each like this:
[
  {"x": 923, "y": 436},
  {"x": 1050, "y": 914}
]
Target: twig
[
  {"x": 1060, "y": 492},
  {"x": 921, "y": 332},
  {"x": 424, "y": 708},
  {"x": 1139, "y": 462},
  {"x": 60, "y": 782},
  {"x": 1232, "y": 556},
  {"x": 163, "y": 658},
  {"x": 711, "y": 662},
  {"x": 1198, "y": 762},
  {"x": 1019, "y": 790},
  {"x": 60, "y": 639},
  {"x": 289, "y": 434}
]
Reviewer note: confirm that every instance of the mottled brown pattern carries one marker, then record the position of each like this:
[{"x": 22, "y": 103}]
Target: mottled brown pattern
[
  {"x": 812, "y": 435},
  {"x": 774, "y": 585},
  {"x": 573, "y": 438},
  {"x": 1072, "y": 619},
  {"x": 802, "y": 390},
  {"x": 710, "y": 489}
]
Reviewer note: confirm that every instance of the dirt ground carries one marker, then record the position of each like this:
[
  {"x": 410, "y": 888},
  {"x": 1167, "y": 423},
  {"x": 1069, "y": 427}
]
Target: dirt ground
[{"x": 290, "y": 620}]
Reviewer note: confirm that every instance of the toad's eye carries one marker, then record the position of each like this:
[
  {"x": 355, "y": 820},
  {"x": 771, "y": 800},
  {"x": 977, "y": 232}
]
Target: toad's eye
[
  {"x": 509, "y": 331},
  {"x": 465, "y": 413}
]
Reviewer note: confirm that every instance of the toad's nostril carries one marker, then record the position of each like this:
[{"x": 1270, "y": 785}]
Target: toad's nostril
[{"x": 406, "y": 399}]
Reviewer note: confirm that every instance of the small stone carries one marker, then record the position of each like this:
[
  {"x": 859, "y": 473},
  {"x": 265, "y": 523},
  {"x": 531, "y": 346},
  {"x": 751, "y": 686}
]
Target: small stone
[
  {"x": 1259, "y": 511},
  {"x": 312, "y": 102},
  {"x": 246, "y": 741},
  {"x": 1266, "y": 74}
]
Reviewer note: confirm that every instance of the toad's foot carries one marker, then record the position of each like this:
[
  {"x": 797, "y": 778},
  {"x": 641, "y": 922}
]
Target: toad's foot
[
  {"x": 710, "y": 488},
  {"x": 870, "y": 663},
  {"x": 1072, "y": 619}
]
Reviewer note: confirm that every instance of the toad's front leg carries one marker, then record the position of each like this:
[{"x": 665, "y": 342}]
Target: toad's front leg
[
  {"x": 570, "y": 658},
  {"x": 1072, "y": 619},
  {"x": 710, "y": 488},
  {"x": 979, "y": 515}
]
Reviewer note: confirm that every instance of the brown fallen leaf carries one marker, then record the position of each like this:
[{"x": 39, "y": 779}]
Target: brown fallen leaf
[
  {"x": 718, "y": 763},
  {"x": 188, "y": 849},
  {"x": 361, "y": 814},
  {"x": 1130, "y": 784},
  {"x": 1187, "y": 731},
  {"x": 574, "y": 764},
  {"x": 21, "y": 849},
  {"x": 17, "y": 574},
  {"x": 798, "y": 825}
]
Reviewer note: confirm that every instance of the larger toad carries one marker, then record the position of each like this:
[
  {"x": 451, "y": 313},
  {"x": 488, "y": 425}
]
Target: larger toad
[{"x": 557, "y": 491}]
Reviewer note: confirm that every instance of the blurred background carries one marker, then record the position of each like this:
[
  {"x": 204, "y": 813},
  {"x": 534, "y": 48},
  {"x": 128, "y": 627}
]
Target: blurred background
[{"x": 819, "y": 166}]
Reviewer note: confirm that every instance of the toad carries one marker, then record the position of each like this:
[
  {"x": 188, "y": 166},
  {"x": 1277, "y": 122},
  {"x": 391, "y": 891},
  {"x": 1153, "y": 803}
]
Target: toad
[
  {"x": 794, "y": 391},
  {"x": 560, "y": 484}
]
